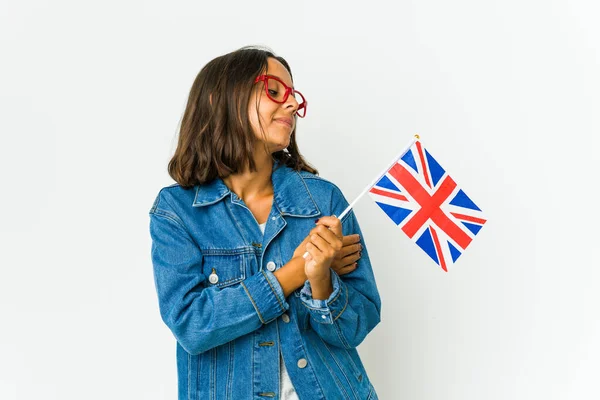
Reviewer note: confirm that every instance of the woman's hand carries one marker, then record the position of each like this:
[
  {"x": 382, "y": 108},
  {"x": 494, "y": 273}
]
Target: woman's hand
[
  {"x": 325, "y": 244},
  {"x": 346, "y": 259}
]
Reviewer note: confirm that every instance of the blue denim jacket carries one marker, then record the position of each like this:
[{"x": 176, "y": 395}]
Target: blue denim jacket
[{"x": 218, "y": 295}]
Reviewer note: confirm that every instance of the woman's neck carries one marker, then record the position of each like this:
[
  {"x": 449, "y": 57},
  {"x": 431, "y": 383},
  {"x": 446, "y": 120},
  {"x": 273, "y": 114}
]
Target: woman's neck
[{"x": 249, "y": 185}]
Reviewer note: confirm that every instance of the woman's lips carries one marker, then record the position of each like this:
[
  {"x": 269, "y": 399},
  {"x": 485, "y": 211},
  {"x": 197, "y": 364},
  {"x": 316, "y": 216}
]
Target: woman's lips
[{"x": 285, "y": 121}]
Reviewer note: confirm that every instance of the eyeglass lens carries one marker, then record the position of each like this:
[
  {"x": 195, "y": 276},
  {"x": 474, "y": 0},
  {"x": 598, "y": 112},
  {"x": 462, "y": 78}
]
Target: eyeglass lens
[{"x": 276, "y": 91}]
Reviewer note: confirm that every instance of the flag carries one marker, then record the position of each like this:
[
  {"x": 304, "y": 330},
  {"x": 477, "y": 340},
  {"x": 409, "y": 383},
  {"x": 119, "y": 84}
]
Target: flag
[{"x": 428, "y": 206}]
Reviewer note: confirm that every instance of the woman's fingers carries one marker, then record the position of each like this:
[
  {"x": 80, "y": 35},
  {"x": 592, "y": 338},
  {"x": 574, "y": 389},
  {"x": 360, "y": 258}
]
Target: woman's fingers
[
  {"x": 351, "y": 258},
  {"x": 333, "y": 223},
  {"x": 346, "y": 256},
  {"x": 349, "y": 240},
  {"x": 346, "y": 264},
  {"x": 313, "y": 255},
  {"x": 328, "y": 235},
  {"x": 346, "y": 269},
  {"x": 323, "y": 246},
  {"x": 349, "y": 249},
  {"x": 330, "y": 229}
]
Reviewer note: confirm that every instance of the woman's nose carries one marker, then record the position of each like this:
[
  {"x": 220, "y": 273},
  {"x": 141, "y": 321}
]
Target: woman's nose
[{"x": 291, "y": 103}]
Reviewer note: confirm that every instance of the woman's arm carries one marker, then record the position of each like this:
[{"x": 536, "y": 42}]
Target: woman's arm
[
  {"x": 205, "y": 317},
  {"x": 291, "y": 276},
  {"x": 353, "y": 309}
]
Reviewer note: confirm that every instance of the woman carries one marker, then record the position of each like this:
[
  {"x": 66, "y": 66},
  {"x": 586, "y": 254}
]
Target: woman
[{"x": 264, "y": 295}]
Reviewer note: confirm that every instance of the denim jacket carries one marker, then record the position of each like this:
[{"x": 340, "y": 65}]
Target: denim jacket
[{"x": 213, "y": 271}]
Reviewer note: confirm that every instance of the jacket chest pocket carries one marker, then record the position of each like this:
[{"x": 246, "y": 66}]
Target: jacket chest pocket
[{"x": 226, "y": 267}]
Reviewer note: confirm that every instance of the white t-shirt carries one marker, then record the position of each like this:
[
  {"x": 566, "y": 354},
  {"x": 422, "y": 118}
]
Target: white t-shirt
[{"x": 286, "y": 388}]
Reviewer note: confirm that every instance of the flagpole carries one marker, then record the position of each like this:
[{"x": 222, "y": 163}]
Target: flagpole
[
  {"x": 347, "y": 210},
  {"x": 370, "y": 185}
]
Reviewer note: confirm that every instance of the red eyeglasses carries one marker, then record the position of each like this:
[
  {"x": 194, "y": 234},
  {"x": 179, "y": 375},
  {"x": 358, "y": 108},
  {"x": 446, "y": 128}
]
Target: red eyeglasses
[{"x": 279, "y": 92}]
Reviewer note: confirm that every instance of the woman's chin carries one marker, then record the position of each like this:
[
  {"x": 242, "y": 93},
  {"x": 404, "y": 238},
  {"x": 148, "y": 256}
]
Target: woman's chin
[{"x": 281, "y": 146}]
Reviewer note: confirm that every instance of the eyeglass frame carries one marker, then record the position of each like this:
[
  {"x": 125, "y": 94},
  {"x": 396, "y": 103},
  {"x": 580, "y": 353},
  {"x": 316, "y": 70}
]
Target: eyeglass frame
[{"x": 288, "y": 90}]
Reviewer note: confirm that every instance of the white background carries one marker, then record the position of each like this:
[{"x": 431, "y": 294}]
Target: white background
[{"x": 505, "y": 95}]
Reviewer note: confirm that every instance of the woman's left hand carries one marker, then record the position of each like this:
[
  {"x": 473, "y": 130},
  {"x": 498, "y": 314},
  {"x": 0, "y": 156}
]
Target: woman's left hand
[{"x": 325, "y": 243}]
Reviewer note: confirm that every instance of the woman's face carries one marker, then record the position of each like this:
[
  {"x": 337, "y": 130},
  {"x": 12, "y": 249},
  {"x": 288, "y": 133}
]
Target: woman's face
[{"x": 277, "y": 120}]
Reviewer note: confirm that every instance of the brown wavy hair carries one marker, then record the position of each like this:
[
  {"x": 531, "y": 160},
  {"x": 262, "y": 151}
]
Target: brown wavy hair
[{"x": 216, "y": 138}]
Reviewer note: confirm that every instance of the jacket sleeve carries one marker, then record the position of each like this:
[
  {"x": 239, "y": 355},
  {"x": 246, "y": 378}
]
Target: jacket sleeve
[
  {"x": 353, "y": 308},
  {"x": 202, "y": 317}
]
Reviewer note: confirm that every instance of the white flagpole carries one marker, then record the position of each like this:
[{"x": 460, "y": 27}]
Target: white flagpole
[{"x": 347, "y": 210}]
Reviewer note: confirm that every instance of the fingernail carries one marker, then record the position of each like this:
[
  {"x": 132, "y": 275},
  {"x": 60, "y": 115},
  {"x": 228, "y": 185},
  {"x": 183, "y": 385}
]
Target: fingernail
[{"x": 305, "y": 255}]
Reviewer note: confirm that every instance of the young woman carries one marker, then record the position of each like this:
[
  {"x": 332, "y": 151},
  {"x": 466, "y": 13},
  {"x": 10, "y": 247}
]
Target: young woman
[{"x": 264, "y": 294}]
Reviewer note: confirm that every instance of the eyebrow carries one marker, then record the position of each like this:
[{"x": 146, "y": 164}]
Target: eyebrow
[{"x": 275, "y": 76}]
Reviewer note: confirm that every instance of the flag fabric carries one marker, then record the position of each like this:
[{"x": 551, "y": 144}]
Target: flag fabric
[{"x": 426, "y": 203}]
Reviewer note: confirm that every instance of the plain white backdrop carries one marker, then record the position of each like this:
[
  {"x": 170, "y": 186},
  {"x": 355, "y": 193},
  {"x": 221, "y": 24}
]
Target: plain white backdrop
[{"x": 505, "y": 94}]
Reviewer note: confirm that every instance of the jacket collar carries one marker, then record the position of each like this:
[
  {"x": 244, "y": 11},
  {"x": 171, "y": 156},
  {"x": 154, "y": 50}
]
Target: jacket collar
[{"x": 291, "y": 195}]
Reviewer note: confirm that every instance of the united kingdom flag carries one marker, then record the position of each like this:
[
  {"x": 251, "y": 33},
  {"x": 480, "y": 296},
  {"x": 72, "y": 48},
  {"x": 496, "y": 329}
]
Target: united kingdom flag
[{"x": 425, "y": 202}]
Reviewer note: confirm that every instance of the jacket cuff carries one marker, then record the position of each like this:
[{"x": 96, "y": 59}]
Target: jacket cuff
[
  {"x": 326, "y": 311},
  {"x": 266, "y": 295}
]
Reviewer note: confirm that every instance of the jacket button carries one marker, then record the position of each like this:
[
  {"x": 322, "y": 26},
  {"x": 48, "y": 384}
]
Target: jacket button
[
  {"x": 213, "y": 278},
  {"x": 271, "y": 266},
  {"x": 285, "y": 318},
  {"x": 302, "y": 363}
]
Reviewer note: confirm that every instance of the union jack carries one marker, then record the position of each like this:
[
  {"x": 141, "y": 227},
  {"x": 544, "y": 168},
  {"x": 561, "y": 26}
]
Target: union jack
[{"x": 425, "y": 202}]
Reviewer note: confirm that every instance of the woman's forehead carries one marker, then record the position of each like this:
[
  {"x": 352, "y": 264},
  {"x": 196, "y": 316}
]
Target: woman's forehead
[{"x": 276, "y": 68}]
